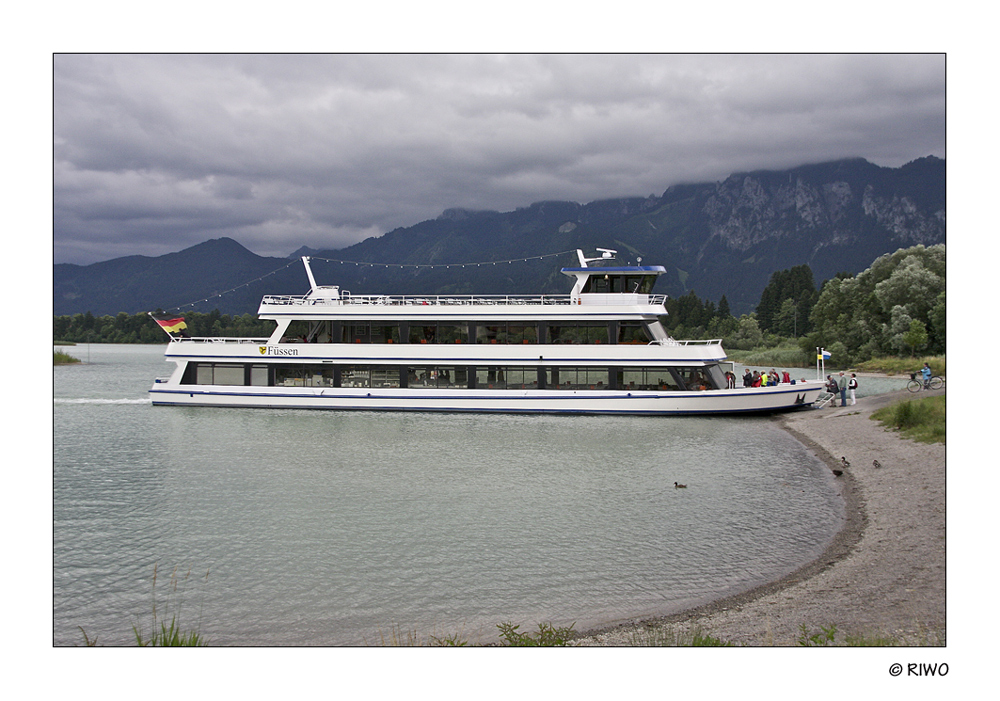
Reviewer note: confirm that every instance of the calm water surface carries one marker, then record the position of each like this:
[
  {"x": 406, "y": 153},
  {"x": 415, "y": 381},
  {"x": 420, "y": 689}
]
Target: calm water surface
[{"x": 291, "y": 527}]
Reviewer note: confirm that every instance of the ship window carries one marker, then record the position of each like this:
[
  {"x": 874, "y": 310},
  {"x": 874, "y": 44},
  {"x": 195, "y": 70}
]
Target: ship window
[
  {"x": 423, "y": 334},
  {"x": 582, "y": 333},
  {"x": 296, "y": 332},
  {"x": 355, "y": 376},
  {"x": 522, "y": 333},
  {"x": 441, "y": 377},
  {"x": 384, "y": 376},
  {"x": 647, "y": 379},
  {"x": 598, "y": 284},
  {"x": 490, "y": 333},
  {"x": 717, "y": 376},
  {"x": 507, "y": 377},
  {"x": 370, "y": 332},
  {"x": 357, "y": 333},
  {"x": 699, "y": 378},
  {"x": 216, "y": 374},
  {"x": 258, "y": 375},
  {"x": 632, "y": 332},
  {"x": 294, "y": 375},
  {"x": 522, "y": 378},
  {"x": 203, "y": 374},
  {"x": 453, "y": 333},
  {"x": 228, "y": 374},
  {"x": 370, "y": 376},
  {"x": 421, "y": 377},
  {"x": 634, "y": 284},
  {"x": 576, "y": 378},
  {"x": 618, "y": 284},
  {"x": 289, "y": 375},
  {"x": 512, "y": 333},
  {"x": 318, "y": 376}
]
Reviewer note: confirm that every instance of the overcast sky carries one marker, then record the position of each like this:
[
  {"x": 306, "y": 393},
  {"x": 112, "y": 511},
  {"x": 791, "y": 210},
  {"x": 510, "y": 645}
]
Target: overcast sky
[{"x": 155, "y": 153}]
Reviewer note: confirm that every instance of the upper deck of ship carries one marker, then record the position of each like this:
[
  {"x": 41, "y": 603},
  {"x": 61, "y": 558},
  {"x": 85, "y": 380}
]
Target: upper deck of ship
[{"x": 618, "y": 290}]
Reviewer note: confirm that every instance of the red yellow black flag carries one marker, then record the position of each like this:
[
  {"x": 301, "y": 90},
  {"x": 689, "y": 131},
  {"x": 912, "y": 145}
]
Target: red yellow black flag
[{"x": 170, "y": 323}]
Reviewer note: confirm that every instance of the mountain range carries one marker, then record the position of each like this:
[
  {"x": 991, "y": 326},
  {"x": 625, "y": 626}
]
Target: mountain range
[{"x": 723, "y": 238}]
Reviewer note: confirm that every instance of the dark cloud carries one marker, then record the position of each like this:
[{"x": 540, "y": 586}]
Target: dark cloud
[{"x": 154, "y": 153}]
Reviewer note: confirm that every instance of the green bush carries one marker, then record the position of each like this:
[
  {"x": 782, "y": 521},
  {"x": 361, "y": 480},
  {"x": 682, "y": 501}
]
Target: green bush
[
  {"x": 547, "y": 635},
  {"x": 922, "y": 420},
  {"x": 60, "y": 358}
]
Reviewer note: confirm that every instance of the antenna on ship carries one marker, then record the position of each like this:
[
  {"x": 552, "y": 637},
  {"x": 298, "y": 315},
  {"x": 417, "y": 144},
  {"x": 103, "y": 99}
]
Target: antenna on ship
[
  {"x": 606, "y": 254},
  {"x": 319, "y": 291},
  {"x": 309, "y": 273}
]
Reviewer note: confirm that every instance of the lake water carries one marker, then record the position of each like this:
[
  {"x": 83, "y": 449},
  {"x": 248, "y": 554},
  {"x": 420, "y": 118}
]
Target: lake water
[{"x": 289, "y": 527}]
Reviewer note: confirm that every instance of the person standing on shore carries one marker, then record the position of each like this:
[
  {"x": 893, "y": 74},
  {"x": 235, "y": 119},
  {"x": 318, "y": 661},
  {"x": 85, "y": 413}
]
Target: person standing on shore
[
  {"x": 852, "y": 385},
  {"x": 842, "y": 384}
]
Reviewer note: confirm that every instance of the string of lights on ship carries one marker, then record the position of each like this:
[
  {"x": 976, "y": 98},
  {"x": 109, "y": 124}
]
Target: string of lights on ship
[{"x": 359, "y": 263}]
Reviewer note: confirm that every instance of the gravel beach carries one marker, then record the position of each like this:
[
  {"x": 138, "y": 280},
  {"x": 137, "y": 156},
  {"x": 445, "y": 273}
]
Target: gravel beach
[{"x": 884, "y": 573}]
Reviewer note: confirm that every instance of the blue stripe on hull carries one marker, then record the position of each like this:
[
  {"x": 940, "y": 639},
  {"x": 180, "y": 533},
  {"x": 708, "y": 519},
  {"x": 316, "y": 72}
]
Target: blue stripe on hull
[
  {"x": 454, "y": 410},
  {"x": 282, "y": 402}
]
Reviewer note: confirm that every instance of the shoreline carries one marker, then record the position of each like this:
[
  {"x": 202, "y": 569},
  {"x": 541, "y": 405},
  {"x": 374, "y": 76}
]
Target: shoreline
[{"x": 883, "y": 573}]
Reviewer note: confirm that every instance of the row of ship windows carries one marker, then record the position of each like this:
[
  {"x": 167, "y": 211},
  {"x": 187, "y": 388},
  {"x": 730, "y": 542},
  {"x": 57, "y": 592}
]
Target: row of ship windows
[
  {"x": 468, "y": 332},
  {"x": 454, "y": 376}
]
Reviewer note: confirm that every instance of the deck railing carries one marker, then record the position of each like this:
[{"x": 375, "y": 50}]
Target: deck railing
[
  {"x": 347, "y": 299},
  {"x": 693, "y": 342},
  {"x": 220, "y": 339}
]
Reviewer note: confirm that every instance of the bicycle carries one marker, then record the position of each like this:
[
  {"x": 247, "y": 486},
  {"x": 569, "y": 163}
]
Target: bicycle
[{"x": 915, "y": 385}]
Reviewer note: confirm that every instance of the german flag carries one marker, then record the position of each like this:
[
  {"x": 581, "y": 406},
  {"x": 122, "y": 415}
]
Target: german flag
[{"x": 170, "y": 323}]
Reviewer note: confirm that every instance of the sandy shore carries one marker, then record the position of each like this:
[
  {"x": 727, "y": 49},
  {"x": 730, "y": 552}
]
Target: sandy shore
[{"x": 884, "y": 573}]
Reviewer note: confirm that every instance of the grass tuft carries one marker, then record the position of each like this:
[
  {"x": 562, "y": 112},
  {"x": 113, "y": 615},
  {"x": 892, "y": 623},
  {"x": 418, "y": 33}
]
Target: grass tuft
[
  {"x": 160, "y": 633},
  {"x": 665, "y": 636},
  {"x": 922, "y": 420},
  {"x": 547, "y": 635},
  {"x": 168, "y": 636},
  {"x": 60, "y": 358}
]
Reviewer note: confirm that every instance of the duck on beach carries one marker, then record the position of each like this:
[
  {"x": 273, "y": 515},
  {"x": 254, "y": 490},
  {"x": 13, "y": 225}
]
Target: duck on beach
[{"x": 843, "y": 461}]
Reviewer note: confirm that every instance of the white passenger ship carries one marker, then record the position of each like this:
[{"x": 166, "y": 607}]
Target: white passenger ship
[{"x": 601, "y": 349}]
